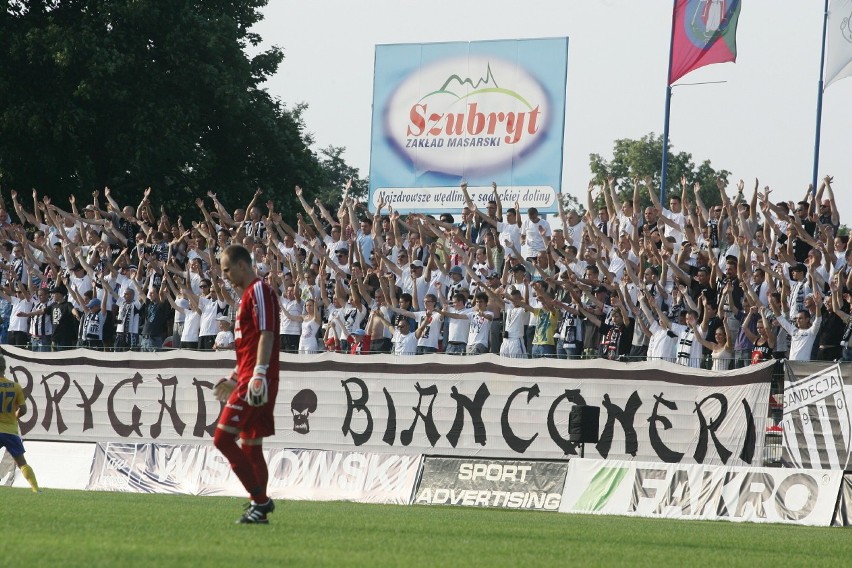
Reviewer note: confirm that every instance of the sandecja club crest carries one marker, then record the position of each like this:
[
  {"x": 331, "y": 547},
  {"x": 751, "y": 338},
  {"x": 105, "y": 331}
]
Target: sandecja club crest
[{"x": 817, "y": 421}]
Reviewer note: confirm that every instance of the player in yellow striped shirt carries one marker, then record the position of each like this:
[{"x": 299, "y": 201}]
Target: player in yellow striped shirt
[{"x": 12, "y": 407}]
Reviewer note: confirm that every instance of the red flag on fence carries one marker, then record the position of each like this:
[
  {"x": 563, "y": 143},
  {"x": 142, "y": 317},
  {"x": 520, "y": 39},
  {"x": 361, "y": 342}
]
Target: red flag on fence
[{"x": 704, "y": 32}]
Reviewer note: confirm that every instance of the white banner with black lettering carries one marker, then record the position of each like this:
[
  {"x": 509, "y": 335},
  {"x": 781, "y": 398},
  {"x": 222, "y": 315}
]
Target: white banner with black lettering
[
  {"x": 485, "y": 405},
  {"x": 705, "y": 492},
  {"x": 293, "y": 474},
  {"x": 817, "y": 423},
  {"x": 507, "y": 484}
]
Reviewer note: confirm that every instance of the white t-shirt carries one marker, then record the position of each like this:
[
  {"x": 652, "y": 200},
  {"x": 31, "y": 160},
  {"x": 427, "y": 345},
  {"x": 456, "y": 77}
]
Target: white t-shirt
[
  {"x": 407, "y": 283},
  {"x": 120, "y": 283},
  {"x": 679, "y": 219},
  {"x": 480, "y": 328},
  {"x": 509, "y": 232},
  {"x": 335, "y": 318},
  {"x": 535, "y": 232},
  {"x": 625, "y": 224},
  {"x": 432, "y": 332},
  {"x": 209, "y": 312},
  {"x": 289, "y": 253},
  {"x": 180, "y": 314},
  {"x": 16, "y": 322},
  {"x": 801, "y": 340},
  {"x": 458, "y": 328},
  {"x": 662, "y": 344},
  {"x": 404, "y": 344},
  {"x": 191, "y": 326},
  {"x": 574, "y": 234},
  {"x": 352, "y": 317},
  {"x": 288, "y": 326},
  {"x": 514, "y": 327},
  {"x": 194, "y": 281},
  {"x": 82, "y": 285},
  {"x": 617, "y": 265},
  {"x": 224, "y": 339}
]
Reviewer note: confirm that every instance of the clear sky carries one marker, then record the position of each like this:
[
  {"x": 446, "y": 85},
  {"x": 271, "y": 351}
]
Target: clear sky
[{"x": 759, "y": 123}]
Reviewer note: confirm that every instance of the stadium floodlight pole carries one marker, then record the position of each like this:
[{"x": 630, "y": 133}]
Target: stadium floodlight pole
[
  {"x": 668, "y": 110},
  {"x": 819, "y": 101}
]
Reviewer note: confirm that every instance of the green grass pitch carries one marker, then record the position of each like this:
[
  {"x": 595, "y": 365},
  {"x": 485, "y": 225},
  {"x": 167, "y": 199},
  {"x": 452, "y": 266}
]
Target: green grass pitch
[{"x": 81, "y": 528}]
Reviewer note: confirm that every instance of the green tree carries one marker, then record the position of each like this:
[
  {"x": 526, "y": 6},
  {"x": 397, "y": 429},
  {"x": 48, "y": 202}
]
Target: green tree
[
  {"x": 138, "y": 93},
  {"x": 632, "y": 159},
  {"x": 569, "y": 201},
  {"x": 336, "y": 174}
]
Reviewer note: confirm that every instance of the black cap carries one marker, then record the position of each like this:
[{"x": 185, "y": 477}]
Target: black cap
[{"x": 61, "y": 289}]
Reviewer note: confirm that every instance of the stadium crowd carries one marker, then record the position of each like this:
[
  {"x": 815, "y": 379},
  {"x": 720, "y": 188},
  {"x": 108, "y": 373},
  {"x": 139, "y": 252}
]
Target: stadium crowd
[{"x": 717, "y": 287}]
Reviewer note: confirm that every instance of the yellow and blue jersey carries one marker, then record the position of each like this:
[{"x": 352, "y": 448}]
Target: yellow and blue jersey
[
  {"x": 11, "y": 397},
  {"x": 546, "y": 326}
]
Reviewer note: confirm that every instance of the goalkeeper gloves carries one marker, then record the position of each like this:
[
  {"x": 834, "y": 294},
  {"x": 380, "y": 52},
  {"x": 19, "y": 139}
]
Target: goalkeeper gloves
[{"x": 258, "y": 389}]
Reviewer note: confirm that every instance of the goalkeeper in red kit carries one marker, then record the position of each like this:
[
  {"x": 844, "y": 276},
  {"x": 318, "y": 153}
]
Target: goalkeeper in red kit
[{"x": 251, "y": 389}]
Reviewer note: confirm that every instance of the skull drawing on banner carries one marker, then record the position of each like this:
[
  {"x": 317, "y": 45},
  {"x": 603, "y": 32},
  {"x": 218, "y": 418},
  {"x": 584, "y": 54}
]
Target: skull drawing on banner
[{"x": 302, "y": 405}]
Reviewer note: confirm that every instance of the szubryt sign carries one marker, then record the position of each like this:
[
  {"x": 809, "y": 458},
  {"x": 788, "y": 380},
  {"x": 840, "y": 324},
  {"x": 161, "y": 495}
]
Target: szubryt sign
[{"x": 481, "y": 112}]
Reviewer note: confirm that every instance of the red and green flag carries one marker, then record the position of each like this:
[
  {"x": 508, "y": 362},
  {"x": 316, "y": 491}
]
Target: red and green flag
[{"x": 704, "y": 32}]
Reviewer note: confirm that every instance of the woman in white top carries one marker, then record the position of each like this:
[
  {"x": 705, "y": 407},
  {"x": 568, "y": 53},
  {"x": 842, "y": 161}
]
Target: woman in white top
[
  {"x": 722, "y": 348},
  {"x": 311, "y": 321}
]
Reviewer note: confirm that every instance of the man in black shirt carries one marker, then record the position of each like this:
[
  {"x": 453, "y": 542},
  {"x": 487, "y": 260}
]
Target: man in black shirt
[
  {"x": 732, "y": 302},
  {"x": 801, "y": 247},
  {"x": 155, "y": 315},
  {"x": 65, "y": 324}
]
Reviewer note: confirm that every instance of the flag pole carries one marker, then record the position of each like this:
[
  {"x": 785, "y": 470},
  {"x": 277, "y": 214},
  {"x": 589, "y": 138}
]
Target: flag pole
[
  {"x": 668, "y": 111},
  {"x": 819, "y": 101}
]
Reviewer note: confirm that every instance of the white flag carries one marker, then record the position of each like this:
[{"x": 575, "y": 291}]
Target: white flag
[{"x": 838, "y": 61}]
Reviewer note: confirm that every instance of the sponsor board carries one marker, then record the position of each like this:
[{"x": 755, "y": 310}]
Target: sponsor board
[
  {"x": 700, "y": 491},
  {"x": 843, "y": 513},
  {"x": 491, "y": 483},
  {"x": 515, "y": 409},
  {"x": 7, "y": 468},
  {"x": 481, "y": 111},
  {"x": 293, "y": 474},
  {"x": 816, "y": 419},
  {"x": 58, "y": 465}
]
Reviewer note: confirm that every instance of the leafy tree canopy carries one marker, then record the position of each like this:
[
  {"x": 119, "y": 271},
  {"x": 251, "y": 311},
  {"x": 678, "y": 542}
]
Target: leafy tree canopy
[
  {"x": 136, "y": 93},
  {"x": 632, "y": 159},
  {"x": 337, "y": 174}
]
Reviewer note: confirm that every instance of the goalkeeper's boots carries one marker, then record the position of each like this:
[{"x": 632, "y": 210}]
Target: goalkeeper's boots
[{"x": 256, "y": 513}]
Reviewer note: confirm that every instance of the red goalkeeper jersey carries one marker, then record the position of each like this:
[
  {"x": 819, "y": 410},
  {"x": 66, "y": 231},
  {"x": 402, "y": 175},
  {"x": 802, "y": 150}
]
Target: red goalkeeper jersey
[{"x": 258, "y": 312}]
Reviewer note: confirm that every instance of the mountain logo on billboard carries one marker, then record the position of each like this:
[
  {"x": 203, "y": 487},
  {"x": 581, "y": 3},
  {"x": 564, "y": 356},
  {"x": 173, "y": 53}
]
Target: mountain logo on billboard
[
  {"x": 489, "y": 82},
  {"x": 449, "y": 121}
]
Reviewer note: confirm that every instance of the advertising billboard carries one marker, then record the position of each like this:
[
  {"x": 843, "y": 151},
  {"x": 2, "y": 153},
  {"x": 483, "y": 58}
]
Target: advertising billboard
[{"x": 474, "y": 112}]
